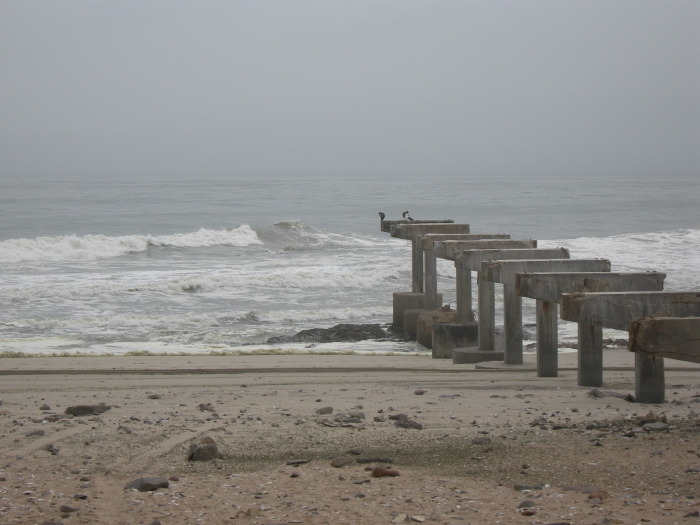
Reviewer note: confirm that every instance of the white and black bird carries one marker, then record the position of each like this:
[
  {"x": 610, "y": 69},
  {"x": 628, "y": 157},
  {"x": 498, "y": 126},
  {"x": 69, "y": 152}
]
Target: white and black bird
[
  {"x": 381, "y": 216},
  {"x": 406, "y": 216}
]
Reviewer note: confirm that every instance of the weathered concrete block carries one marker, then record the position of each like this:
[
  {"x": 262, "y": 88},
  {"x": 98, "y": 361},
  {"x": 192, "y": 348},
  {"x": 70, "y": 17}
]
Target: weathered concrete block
[
  {"x": 412, "y": 231},
  {"x": 408, "y": 301},
  {"x": 426, "y": 321},
  {"x": 448, "y": 336},
  {"x": 672, "y": 337},
  {"x": 619, "y": 310},
  {"x": 466, "y": 356},
  {"x": 410, "y": 319},
  {"x": 387, "y": 224}
]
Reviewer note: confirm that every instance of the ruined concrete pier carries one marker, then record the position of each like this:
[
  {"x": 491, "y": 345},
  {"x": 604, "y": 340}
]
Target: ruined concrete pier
[
  {"x": 412, "y": 232},
  {"x": 426, "y": 244},
  {"x": 547, "y": 289},
  {"x": 469, "y": 256},
  {"x": 462, "y": 343},
  {"x": 406, "y": 303},
  {"x": 584, "y": 290},
  {"x": 504, "y": 272},
  {"x": 473, "y": 260},
  {"x": 619, "y": 311}
]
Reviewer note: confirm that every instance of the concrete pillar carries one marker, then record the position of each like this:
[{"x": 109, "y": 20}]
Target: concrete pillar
[
  {"x": 590, "y": 355},
  {"x": 404, "y": 302},
  {"x": 513, "y": 324},
  {"x": 448, "y": 336},
  {"x": 648, "y": 378},
  {"x": 410, "y": 321},
  {"x": 547, "y": 288},
  {"x": 431, "y": 280},
  {"x": 547, "y": 339},
  {"x": 416, "y": 268},
  {"x": 427, "y": 319},
  {"x": 465, "y": 312},
  {"x": 487, "y": 314}
]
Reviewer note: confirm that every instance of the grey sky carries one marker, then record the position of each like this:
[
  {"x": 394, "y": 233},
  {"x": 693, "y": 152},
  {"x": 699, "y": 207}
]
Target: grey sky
[{"x": 234, "y": 87}]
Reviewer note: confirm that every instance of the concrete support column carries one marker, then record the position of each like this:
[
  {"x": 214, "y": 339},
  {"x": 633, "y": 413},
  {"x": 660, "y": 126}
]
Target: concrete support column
[
  {"x": 406, "y": 301},
  {"x": 513, "y": 324},
  {"x": 448, "y": 336},
  {"x": 547, "y": 339},
  {"x": 416, "y": 268},
  {"x": 648, "y": 378},
  {"x": 487, "y": 314},
  {"x": 431, "y": 280},
  {"x": 590, "y": 355},
  {"x": 465, "y": 313}
]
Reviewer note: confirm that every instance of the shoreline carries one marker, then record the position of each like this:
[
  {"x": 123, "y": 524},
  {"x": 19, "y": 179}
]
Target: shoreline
[{"x": 613, "y": 359}]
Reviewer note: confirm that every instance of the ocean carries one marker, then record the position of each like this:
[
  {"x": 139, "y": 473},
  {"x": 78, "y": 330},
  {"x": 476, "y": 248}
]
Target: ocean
[{"x": 129, "y": 265}]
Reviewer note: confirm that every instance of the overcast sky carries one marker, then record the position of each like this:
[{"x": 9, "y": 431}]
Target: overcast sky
[{"x": 275, "y": 87}]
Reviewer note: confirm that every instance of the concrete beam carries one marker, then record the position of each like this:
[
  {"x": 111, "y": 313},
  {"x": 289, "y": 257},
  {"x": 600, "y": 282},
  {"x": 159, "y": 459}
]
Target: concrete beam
[
  {"x": 547, "y": 289},
  {"x": 672, "y": 337},
  {"x": 427, "y": 242},
  {"x": 472, "y": 260},
  {"x": 549, "y": 286},
  {"x": 386, "y": 225},
  {"x": 619, "y": 310},
  {"x": 504, "y": 272},
  {"x": 412, "y": 231},
  {"x": 451, "y": 250}
]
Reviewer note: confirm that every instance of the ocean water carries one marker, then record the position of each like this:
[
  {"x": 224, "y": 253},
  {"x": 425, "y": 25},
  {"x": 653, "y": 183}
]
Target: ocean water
[{"x": 167, "y": 265}]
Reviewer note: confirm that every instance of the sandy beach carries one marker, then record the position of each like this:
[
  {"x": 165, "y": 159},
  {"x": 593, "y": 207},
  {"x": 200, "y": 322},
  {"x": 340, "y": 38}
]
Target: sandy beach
[{"x": 298, "y": 439}]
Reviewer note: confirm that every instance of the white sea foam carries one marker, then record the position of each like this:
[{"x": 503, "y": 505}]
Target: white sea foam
[
  {"x": 53, "y": 346},
  {"x": 223, "y": 283},
  {"x": 89, "y": 247},
  {"x": 676, "y": 253},
  {"x": 325, "y": 314}
]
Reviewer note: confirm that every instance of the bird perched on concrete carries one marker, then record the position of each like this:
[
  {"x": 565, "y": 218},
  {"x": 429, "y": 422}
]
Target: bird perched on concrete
[
  {"x": 381, "y": 216},
  {"x": 406, "y": 216}
]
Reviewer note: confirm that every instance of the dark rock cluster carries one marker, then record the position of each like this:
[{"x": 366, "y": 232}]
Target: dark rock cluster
[{"x": 340, "y": 333}]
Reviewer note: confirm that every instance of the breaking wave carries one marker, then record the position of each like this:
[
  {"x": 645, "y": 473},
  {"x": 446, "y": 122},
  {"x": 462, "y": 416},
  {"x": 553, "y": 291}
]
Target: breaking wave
[
  {"x": 90, "y": 247},
  {"x": 674, "y": 252}
]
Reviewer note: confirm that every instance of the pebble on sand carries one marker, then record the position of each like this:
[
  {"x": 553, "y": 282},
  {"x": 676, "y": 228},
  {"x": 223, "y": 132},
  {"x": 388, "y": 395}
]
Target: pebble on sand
[
  {"x": 342, "y": 461},
  {"x": 380, "y": 472},
  {"x": 87, "y": 410},
  {"x": 206, "y": 450},
  {"x": 148, "y": 483}
]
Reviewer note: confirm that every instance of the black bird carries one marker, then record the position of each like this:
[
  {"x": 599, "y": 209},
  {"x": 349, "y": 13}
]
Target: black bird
[
  {"x": 381, "y": 216},
  {"x": 406, "y": 216}
]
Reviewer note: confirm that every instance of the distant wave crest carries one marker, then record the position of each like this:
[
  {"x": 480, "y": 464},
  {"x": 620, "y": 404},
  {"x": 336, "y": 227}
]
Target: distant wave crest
[
  {"x": 88, "y": 247},
  {"x": 674, "y": 252},
  {"x": 296, "y": 236}
]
